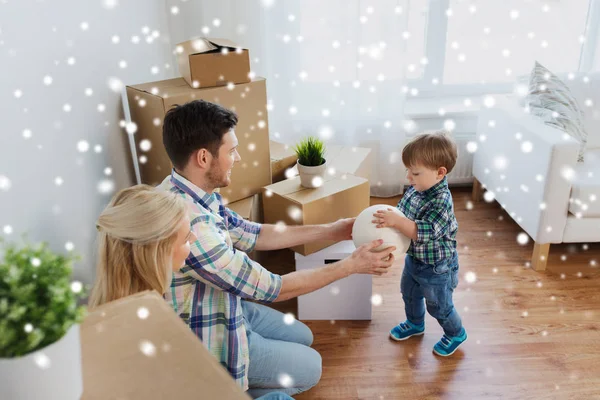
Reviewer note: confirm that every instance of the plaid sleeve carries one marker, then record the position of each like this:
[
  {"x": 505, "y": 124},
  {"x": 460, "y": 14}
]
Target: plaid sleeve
[
  {"x": 435, "y": 220},
  {"x": 243, "y": 233},
  {"x": 404, "y": 205},
  {"x": 214, "y": 262}
]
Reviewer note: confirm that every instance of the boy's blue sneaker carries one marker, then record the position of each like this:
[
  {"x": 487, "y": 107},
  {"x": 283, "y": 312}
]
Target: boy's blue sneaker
[
  {"x": 448, "y": 345},
  {"x": 406, "y": 329}
]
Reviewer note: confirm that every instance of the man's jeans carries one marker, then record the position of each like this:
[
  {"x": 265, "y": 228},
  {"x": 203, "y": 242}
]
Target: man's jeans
[
  {"x": 280, "y": 357},
  {"x": 435, "y": 284}
]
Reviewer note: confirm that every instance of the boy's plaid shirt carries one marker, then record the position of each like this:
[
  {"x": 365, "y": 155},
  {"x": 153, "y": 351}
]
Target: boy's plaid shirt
[
  {"x": 207, "y": 291},
  {"x": 433, "y": 212}
]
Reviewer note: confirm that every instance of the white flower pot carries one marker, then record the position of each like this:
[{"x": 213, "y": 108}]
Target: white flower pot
[
  {"x": 51, "y": 373},
  {"x": 312, "y": 177}
]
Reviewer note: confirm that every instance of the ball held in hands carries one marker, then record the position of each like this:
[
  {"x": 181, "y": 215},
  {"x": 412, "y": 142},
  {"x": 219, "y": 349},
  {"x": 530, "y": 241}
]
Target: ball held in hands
[{"x": 365, "y": 231}]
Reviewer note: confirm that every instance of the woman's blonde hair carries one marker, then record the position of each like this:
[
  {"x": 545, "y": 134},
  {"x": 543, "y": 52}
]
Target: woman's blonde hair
[{"x": 136, "y": 233}]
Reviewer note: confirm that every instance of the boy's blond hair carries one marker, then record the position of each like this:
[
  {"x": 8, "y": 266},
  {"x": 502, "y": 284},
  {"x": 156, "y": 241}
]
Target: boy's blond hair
[{"x": 432, "y": 150}]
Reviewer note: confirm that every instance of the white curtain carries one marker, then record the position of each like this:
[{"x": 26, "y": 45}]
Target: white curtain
[{"x": 334, "y": 68}]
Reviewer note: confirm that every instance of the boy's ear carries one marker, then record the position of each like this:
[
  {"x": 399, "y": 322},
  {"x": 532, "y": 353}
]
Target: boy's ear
[{"x": 442, "y": 172}]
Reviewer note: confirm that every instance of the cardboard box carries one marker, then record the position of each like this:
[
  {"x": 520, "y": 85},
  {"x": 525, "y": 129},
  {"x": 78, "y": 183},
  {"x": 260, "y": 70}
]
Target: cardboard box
[
  {"x": 138, "y": 348},
  {"x": 343, "y": 160},
  {"x": 346, "y": 299},
  {"x": 249, "y": 208},
  {"x": 287, "y": 201},
  {"x": 149, "y": 103},
  {"x": 283, "y": 157},
  {"x": 208, "y": 62}
]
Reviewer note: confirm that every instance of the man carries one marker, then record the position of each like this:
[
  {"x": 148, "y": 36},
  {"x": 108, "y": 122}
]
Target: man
[{"x": 259, "y": 350}]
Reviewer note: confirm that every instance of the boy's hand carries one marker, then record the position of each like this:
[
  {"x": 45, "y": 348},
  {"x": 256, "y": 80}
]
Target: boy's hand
[{"x": 387, "y": 218}]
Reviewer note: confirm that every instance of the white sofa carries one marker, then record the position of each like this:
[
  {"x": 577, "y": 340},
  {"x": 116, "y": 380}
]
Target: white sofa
[{"x": 532, "y": 170}]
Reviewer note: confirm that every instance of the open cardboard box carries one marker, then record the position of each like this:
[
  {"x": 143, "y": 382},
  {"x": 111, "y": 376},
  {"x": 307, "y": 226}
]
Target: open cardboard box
[
  {"x": 208, "y": 62},
  {"x": 249, "y": 208},
  {"x": 138, "y": 348},
  {"x": 342, "y": 160},
  {"x": 283, "y": 158}
]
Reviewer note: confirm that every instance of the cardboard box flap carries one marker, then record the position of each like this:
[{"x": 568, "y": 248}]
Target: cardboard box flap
[
  {"x": 283, "y": 158},
  {"x": 161, "y": 85},
  {"x": 331, "y": 153},
  {"x": 292, "y": 189},
  {"x": 225, "y": 43},
  {"x": 138, "y": 348},
  {"x": 346, "y": 159},
  {"x": 205, "y": 45},
  {"x": 279, "y": 151}
]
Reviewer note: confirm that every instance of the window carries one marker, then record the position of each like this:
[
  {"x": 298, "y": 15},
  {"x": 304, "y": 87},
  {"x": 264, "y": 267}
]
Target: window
[
  {"x": 486, "y": 43},
  {"x": 494, "y": 41},
  {"x": 353, "y": 41}
]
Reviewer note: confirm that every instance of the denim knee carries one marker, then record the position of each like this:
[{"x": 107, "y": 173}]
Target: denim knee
[
  {"x": 303, "y": 333},
  {"x": 439, "y": 308},
  {"x": 312, "y": 372}
]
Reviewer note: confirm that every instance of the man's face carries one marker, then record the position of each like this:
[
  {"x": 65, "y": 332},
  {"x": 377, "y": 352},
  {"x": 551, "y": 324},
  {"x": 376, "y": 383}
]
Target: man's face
[{"x": 219, "y": 174}]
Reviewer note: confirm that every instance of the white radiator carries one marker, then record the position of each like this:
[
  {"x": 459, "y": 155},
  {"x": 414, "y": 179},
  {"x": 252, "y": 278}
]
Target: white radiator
[
  {"x": 425, "y": 113},
  {"x": 463, "y": 170}
]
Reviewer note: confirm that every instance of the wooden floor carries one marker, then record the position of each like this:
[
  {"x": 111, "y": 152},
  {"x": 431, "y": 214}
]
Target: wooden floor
[{"x": 531, "y": 335}]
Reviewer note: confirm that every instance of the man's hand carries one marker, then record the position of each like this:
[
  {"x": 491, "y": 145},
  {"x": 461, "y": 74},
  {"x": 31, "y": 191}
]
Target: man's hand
[
  {"x": 387, "y": 219},
  {"x": 341, "y": 229},
  {"x": 364, "y": 260}
]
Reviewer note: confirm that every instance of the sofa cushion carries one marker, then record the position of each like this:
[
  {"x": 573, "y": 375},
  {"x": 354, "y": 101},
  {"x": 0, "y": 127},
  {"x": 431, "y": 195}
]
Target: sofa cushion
[
  {"x": 551, "y": 100},
  {"x": 585, "y": 192}
]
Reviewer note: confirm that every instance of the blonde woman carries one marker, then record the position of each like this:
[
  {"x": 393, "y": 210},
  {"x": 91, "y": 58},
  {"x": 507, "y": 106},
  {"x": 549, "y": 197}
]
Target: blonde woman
[{"x": 143, "y": 236}]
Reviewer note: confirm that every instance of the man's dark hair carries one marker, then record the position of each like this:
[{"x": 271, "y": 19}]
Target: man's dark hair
[{"x": 193, "y": 126}]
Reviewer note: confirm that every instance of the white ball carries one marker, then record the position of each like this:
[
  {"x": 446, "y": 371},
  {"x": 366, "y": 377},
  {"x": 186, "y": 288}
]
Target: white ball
[{"x": 365, "y": 231}]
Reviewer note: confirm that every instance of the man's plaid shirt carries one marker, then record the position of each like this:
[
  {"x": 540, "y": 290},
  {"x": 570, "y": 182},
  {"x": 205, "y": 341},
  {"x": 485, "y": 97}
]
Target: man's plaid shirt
[
  {"x": 433, "y": 212},
  {"x": 207, "y": 291}
]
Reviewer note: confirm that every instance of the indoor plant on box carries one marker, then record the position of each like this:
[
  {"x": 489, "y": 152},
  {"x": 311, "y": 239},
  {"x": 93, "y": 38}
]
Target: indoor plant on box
[
  {"x": 40, "y": 351},
  {"x": 311, "y": 162}
]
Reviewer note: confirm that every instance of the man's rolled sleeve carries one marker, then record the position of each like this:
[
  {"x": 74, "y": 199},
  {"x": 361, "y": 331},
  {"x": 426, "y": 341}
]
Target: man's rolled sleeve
[
  {"x": 214, "y": 262},
  {"x": 243, "y": 233}
]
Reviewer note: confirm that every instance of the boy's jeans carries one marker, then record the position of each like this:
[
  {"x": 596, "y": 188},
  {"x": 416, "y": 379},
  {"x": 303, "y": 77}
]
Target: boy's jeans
[{"x": 435, "y": 284}]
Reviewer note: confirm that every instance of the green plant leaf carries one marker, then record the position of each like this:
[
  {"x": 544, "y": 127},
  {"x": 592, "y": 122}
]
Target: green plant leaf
[
  {"x": 37, "y": 305},
  {"x": 310, "y": 151}
]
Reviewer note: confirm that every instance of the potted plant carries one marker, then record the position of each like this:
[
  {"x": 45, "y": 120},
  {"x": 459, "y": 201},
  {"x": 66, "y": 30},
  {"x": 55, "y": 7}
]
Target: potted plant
[
  {"x": 40, "y": 351},
  {"x": 311, "y": 161}
]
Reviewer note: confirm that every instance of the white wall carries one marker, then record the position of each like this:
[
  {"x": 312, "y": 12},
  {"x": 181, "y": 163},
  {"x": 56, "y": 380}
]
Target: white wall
[{"x": 36, "y": 40}]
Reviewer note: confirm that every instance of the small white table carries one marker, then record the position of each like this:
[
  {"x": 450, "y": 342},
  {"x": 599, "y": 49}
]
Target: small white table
[{"x": 346, "y": 299}]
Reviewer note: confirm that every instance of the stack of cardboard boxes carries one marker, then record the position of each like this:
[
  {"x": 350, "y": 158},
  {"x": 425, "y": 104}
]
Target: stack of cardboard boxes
[
  {"x": 344, "y": 193},
  {"x": 218, "y": 71}
]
